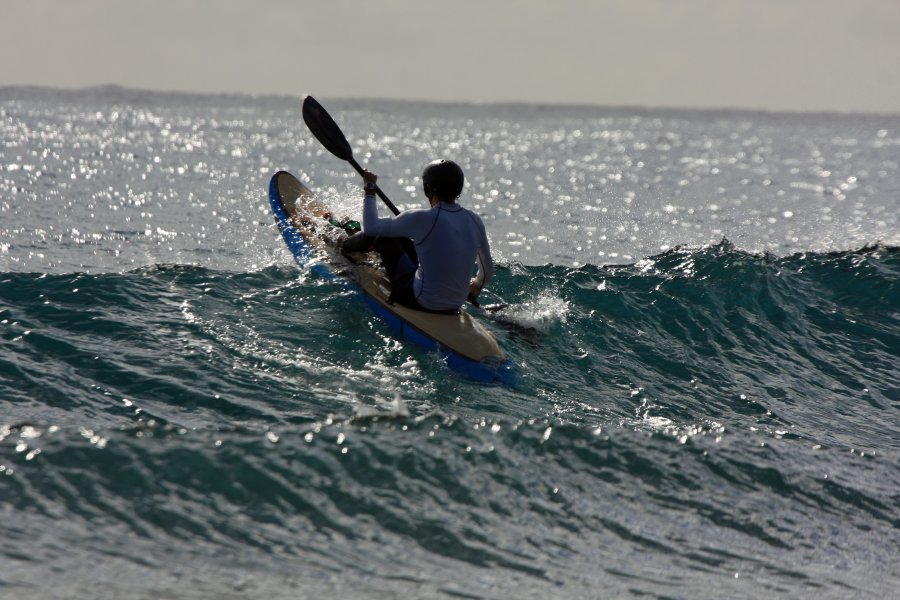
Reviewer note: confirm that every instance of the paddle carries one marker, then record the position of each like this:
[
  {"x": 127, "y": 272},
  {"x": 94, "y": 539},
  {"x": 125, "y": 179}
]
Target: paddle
[{"x": 330, "y": 135}]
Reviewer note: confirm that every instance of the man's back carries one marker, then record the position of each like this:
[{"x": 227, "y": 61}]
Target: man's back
[{"x": 448, "y": 238}]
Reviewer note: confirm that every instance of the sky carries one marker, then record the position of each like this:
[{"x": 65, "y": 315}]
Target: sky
[{"x": 782, "y": 55}]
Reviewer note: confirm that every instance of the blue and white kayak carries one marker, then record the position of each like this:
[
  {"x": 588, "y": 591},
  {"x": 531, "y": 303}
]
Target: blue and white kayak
[{"x": 466, "y": 345}]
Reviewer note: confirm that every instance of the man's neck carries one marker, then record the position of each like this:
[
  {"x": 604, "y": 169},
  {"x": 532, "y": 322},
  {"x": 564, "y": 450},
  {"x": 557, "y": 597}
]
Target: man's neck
[{"x": 435, "y": 200}]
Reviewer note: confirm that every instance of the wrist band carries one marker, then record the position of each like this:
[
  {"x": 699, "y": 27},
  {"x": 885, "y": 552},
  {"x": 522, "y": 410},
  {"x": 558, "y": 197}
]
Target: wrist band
[{"x": 369, "y": 187}]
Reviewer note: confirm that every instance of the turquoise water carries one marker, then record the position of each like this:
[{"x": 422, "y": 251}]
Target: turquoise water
[{"x": 709, "y": 408}]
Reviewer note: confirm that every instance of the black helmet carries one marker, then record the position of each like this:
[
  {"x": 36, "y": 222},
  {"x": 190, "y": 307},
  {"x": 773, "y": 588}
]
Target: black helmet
[{"x": 443, "y": 178}]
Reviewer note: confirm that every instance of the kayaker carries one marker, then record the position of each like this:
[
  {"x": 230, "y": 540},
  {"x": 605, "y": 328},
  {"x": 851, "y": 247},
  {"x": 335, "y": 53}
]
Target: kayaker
[{"x": 448, "y": 238}]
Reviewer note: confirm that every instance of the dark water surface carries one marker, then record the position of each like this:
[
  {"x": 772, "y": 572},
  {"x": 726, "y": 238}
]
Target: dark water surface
[{"x": 708, "y": 402}]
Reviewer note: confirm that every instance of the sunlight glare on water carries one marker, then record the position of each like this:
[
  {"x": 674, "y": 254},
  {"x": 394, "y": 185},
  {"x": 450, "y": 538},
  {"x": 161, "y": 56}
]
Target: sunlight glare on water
[{"x": 701, "y": 305}]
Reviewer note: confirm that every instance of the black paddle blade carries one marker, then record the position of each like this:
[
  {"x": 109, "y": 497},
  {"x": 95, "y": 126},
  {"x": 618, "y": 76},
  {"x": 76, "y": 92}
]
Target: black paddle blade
[{"x": 325, "y": 129}]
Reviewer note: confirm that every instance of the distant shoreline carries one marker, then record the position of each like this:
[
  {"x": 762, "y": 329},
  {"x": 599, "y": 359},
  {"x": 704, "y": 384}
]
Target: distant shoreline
[{"x": 137, "y": 94}]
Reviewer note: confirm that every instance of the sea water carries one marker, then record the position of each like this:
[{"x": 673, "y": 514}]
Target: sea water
[{"x": 703, "y": 310}]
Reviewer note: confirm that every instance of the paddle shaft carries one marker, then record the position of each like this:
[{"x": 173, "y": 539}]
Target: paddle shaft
[{"x": 378, "y": 191}]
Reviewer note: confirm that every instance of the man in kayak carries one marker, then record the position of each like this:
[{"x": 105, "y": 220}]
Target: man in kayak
[{"x": 449, "y": 239}]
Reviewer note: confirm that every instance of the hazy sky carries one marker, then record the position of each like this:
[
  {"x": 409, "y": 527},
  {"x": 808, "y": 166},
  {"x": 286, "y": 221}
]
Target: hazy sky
[{"x": 772, "y": 54}]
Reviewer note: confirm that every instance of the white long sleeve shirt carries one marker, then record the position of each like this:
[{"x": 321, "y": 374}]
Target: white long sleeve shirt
[{"x": 449, "y": 240}]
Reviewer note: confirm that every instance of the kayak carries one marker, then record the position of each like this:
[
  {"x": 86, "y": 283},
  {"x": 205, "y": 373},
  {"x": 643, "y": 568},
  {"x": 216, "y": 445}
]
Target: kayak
[{"x": 310, "y": 232}]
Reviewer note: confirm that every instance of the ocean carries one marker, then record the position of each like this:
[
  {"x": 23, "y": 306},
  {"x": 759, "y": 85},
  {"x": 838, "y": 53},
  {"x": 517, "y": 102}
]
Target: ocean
[{"x": 704, "y": 315}]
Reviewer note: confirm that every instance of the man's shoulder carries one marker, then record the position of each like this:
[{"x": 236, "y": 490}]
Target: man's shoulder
[
  {"x": 415, "y": 212},
  {"x": 472, "y": 214}
]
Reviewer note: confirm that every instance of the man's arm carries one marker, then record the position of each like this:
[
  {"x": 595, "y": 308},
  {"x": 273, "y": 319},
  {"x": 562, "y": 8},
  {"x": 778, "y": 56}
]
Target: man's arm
[
  {"x": 406, "y": 224},
  {"x": 484, "y": 263}
]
